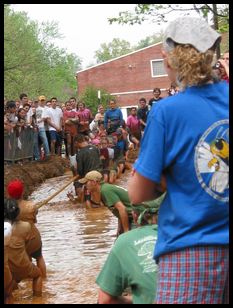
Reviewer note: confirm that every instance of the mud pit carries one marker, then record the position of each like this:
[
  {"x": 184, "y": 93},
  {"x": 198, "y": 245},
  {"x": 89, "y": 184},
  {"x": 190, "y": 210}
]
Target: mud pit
[
  {"x": 76, "y": 240},
  {"x": 34, "y": 173}
]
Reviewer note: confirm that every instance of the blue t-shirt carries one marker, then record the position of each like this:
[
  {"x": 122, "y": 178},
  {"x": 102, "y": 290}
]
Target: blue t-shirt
[
  {"x": 187, "y": 138},
  {"x": 115, "y": 116}
]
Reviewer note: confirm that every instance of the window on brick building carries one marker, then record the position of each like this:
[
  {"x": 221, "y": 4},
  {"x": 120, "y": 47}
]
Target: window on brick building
[{"x": 157, "y": 68}]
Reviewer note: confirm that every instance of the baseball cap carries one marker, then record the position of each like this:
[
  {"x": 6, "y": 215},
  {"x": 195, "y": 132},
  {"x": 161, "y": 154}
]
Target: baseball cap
[
  {"x": 91, "y": 176},
  {"x": 42, "y": 98},
  {"x": 15, "y": 189},
  {"x": 190, "y": 30}
]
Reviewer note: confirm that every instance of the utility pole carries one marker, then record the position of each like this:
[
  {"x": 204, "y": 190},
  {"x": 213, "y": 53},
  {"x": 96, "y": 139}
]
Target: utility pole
[
  {"x": 215, "y": 18},
  {"x": 99, "y": 96}
]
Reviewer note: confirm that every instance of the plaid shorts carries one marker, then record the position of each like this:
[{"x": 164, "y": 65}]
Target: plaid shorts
[{"x": 195, "y": 275}]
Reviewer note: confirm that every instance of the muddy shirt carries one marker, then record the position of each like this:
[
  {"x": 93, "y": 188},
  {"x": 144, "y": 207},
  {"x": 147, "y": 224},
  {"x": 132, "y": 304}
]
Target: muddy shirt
[
  {"x": 88, "y": 159},
  {"x": 28, "y": 213},
  {"x": 7, "y": 272},
  {"x": 19, "y": 262},
  {"x": 130, "y": 264}
]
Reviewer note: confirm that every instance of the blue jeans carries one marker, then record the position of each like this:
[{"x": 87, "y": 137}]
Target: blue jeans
[{"x": 41, "y": 133}]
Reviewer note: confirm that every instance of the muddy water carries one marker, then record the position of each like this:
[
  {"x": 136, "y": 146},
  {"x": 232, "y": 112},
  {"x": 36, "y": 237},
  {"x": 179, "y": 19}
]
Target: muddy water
[{"x": 76, "y": 242}]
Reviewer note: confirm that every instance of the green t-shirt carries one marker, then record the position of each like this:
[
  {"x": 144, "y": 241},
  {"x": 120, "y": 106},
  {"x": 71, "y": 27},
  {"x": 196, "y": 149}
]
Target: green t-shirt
[
  {"x": 130, "y": 263},
  {"x": 111, "y": 194}
]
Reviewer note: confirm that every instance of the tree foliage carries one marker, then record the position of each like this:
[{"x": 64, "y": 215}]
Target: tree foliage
[
  {"x": 149, "y": 40},
  {"x": 158, "y": 13},
  {"x": 90, "y": 97},
  {"x": 114, "y": 49},
  {"x": 32, "y": 62},
  {"x": 118, "y": 47}
]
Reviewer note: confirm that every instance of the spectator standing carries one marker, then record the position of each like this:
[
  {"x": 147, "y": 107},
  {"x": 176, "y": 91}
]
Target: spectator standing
[
  {"x": 156, "y": 97},
  {"x": 142, "y": 113},
  {"x": 192, "y": 152},
  {"x": 85, "y": 117},
  {"x": 113, "y": 117},
  {"x": 70, "y": 123},
  {"x": 23, "y": 99},
  {"x": 99, "y": 118},
  {"x": 73, "y": 103},
  {"x": 224, "y": 67},
  {"x": 173, "y": 90},
  {"x": 133, "y": 125},
  {"x": 55, "y": 118},
  {"x": 41, "y": 117}
]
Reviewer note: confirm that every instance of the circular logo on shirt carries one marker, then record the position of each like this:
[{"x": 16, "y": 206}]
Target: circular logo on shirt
[{"x": 212, "y": 160}]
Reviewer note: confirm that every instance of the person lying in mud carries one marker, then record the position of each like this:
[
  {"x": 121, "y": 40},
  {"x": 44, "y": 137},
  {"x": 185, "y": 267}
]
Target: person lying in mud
[
  {"x": 20, "y": 265},
  {"x": 28, "y": 212},
  {"x": 115, "y": 198},
  {"x": 130, "y": 266}
]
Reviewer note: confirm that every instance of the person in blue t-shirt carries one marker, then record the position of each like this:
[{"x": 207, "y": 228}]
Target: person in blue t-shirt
[
  {"x": 186, "y": 142},
  {"x": 113, "y": 117}
]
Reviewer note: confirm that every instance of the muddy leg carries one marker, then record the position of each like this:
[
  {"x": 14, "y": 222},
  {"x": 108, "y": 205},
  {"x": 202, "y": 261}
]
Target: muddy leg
[
  {"x": 37, "y": 286},
  {"x": 42, "y": 266}
]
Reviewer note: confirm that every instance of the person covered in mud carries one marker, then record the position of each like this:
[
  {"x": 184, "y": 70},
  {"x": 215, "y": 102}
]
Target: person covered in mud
[
  {"x": 28, "y": 212},
  {"x": 87, "y": 159},
  {"x": 130, "y": 264},
  {"x": 19, "y": 262},
  {"x": 115, "y": 198},
  {"x": 8, "y": 280}
]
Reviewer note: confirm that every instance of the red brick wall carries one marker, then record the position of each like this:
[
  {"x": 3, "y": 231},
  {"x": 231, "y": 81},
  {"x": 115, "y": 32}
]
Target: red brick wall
[{"x": 126, "y": 74}]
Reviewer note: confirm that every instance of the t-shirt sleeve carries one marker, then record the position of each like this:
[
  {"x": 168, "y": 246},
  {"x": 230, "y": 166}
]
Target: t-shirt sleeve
[
  {"x": 110, "y": 197},
  {"x": 150, "y": 162},
  {"x": 110, "y": 279}
]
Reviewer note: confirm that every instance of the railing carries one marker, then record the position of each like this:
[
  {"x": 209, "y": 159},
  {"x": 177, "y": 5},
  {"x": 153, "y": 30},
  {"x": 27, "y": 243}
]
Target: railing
[{"x": 18, "y": 146}]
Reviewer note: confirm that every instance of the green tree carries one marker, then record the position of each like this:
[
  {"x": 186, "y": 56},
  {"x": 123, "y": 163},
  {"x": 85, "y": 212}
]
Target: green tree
[
  {"x": 90, "y": 98},
  {"x": 32, "y": 62},
  {"x": 114, "y": 49},
  {"x": 149, "y": 40},
  {"x": 158, "y": 13}
]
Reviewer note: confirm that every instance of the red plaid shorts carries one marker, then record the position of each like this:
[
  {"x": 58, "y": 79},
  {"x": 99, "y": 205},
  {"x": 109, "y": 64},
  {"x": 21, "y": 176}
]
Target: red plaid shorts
[{"x": 195, "y": 275}]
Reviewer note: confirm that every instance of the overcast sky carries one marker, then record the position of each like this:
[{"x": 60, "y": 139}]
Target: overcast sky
[{"x": 85, "y": 26}]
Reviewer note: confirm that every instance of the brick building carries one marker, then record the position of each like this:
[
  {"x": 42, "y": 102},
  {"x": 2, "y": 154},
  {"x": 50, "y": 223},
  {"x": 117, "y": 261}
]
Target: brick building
[{"x": 128, "y": 77}]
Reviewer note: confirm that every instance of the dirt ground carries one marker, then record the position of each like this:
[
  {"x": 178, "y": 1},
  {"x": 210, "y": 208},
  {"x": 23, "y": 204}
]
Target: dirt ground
[{"x": 34, "y": 173}]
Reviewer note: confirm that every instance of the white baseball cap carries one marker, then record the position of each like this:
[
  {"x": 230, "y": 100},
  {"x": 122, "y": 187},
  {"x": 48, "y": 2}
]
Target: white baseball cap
[{"x": 190, "y": 30}]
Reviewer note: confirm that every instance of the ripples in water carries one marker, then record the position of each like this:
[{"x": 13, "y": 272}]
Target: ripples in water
[{"x": 76, "y": 242}]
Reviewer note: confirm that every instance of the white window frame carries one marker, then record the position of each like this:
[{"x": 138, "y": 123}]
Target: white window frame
[{"x": 151, "y": 65}]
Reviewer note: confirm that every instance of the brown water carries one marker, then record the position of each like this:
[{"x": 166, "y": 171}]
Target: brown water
[{"x": 76, "y": 242}]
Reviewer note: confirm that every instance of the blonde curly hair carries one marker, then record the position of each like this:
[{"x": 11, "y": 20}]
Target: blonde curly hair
[{"x": 193, "y": 68}]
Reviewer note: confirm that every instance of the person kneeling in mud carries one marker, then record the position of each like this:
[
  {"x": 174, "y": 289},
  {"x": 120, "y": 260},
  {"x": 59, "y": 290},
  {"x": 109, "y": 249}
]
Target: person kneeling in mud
[
  {"x": 115, "y": 198},
  {"x": 130, "y": 264},
  {"x": 87, "y": 158},
  {"x": 19, "y": 262},
  {"x": 28, "y": 212}
]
